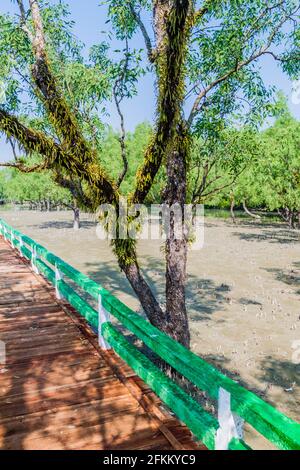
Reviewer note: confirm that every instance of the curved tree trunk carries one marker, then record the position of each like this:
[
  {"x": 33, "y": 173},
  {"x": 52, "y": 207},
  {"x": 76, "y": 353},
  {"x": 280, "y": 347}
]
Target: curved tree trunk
[{"x": 255, "y": 216}]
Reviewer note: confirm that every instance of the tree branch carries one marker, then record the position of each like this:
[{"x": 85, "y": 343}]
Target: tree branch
[
  {"x": 118, "y": 100},
  {"x": 19, "y": 165},
  {"x": 144, "y": 32},
  {"x": 81, "y": 161},
  {"x": 75, "y": 188},
  {"x": 227, "y": 185},
  {"x": 23, "y": 20},
  {"x": 203, "y": 10},
  {"x": 239, "y": 65},
  {"x": 171, "y": 95},
  {"x": 31, "y": 140}
]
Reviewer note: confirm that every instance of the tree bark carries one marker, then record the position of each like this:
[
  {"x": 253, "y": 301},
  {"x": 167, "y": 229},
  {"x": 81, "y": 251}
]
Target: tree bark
[
  {"x": 129, "y": 265},
  {"x": 76, "y": 220},
  {"x": 232, "y": 204},
  {"x": 288, "y": 215},
  {"x": 177, "y": 324},
  {"x": 255, "y": 216}
]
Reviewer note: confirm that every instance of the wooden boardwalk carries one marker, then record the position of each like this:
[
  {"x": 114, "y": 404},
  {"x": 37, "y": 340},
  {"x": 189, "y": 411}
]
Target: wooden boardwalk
[{"x": 58, "y": 390}]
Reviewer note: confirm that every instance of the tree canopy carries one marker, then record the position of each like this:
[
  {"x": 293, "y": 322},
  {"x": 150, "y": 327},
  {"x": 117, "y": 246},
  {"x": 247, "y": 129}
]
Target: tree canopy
[{"x": 205, "y": 60}]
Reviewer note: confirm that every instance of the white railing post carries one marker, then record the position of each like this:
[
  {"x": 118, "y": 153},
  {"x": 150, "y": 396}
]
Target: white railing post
[
  {"x": 231, "y": 425},
  {"x": 58, "y": 278},
  {"x": 33, "y": 260},
  {"x": 21, "y": 246},
  {"x": 11, "y": 239},
  {"x": 103, "y": 317}
]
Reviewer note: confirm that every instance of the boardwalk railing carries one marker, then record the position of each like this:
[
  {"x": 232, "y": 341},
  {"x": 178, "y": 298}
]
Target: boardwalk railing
[{"x": 235, "y": 403}]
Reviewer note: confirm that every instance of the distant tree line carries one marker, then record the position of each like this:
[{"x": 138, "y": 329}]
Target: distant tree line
[{"x": 240, "y": 169}]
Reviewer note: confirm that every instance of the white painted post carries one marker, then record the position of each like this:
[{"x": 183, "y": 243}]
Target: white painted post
[
  {"x": 103, "y": 317},
  {"x": 33, "y": 260},
  {"x": 231, "y": 425},
  {"x": 58, "y": 277},
  {"x": 11, "y": 239},
  {"x": 21, "y": 246}
]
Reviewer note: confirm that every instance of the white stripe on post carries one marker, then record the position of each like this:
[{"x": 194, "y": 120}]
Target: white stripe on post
[
  {"x": 33, "y": 260},
  {"x": 231, "y": 425},
  {"x": 103, "y": 317},
  {"x": 20, "y": 246},
  {"x": 11, "y": 239},
  {"x": 58, "y": 278}
]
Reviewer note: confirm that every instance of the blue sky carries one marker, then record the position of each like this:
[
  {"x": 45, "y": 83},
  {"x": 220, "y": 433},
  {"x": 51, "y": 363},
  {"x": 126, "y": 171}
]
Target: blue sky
[{"x": 90, "y": 18}]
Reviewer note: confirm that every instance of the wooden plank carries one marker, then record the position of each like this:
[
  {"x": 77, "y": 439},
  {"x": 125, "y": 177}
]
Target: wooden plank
[
  {"x": 279, "y": 429},
  {"x": 57, "y": 391}
]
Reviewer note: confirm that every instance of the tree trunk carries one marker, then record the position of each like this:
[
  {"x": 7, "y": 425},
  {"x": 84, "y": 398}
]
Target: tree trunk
[
  {"x": 76, "y": 221},
  {"x": 255, "y": 216},
  {"x": 288, "y": 215},
  {"x": 291, "y": 219},
  {"x": 176, "y": 248},
  {"x": 76, "y": 214},
  {"x": 126, "y": 255},
  {"x": 232, "y": 204}
]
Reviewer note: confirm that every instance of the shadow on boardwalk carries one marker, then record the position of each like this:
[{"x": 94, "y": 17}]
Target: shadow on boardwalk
[{"x": 58, "y": 390}]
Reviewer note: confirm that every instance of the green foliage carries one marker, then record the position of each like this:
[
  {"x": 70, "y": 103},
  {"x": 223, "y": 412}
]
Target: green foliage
[
  {"x": 217, "y": 162},
  {"x": 279, "y": 170},
  {"x": 33, "y": 188},
  {"x": 272, "y": 179},
  {"x": 121, "y": 18},
  {"x": 136, "y": 143},
  {"x": 3, "y": 186},
  {"x": 230, "y": 42}
]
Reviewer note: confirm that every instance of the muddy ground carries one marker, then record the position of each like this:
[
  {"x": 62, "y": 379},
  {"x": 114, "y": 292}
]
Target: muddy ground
[{"x": 243, "y": 293}]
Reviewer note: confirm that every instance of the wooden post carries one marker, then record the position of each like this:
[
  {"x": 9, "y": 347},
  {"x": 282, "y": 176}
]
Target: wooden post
[
  {"x": 231, "y": 425},
  {"x": 103, "y": 317}
]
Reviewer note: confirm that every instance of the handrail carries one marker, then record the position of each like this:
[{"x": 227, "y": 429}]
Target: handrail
[{"x": 271, "y": 423}]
